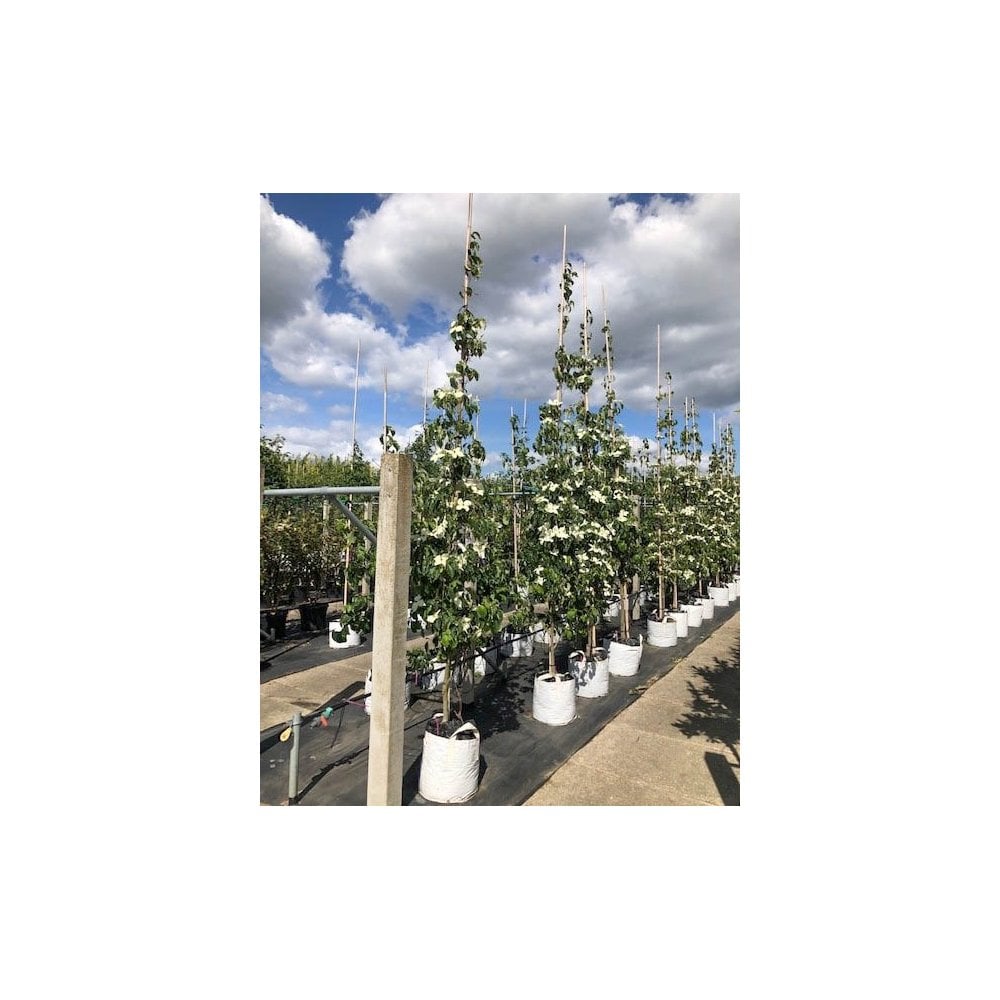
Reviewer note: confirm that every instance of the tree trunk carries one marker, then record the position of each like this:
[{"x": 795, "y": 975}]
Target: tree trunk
[
  {"x": 446, "y": 692},
  {"x": 625, "y": 627},
  {"x": 552, "y": 651}
]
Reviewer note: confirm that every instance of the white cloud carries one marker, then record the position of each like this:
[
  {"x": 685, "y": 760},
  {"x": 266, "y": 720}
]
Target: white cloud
[
  {"x": 676, "y": 264},
  {"x": 672, "y": 264},
  {"x": 276, "y": 402},
  {"x": 317, "y": 349},
  {"x": 372, "y": 447},
  {"x": 335, "y": 438},
  {"x": 493, "y": 462},
  {"x": 292, "y": 263}
]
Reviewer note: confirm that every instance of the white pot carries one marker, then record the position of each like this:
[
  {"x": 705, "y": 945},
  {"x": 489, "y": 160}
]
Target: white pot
[
  {"x": 693, "y": 612},
  {"x": 736, "y": 580},
  {"x": 707, "y": 608},
  {"x": 720, "y": 595},
  {"x": 623, "y": 659},
  {"x": 554, "y": 701},
  {"x": 544, "y": 635},
  {"x": 661, "y": 633},
  {"x": 484, "y": 664},
  {"x": 449, "y": 766},
  {"x": 680, "y": 619},
  {"x": 521, "y": 644},
  {"x": 591, "y": 675},
  {"x": 613, "y": 611},
  {"x": 337, "y": 639},
  {"x": 731, "y": 587},
  {"x": 434, "y": 678},
  {"x": 368, "y": 691}
]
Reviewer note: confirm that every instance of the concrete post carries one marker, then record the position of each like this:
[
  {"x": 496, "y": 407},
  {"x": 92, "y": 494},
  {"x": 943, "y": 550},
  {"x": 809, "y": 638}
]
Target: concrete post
[{"x": 392, "y": 587}]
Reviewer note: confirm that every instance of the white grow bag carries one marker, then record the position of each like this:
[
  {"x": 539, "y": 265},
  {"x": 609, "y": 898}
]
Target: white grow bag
[
  {"x": 661, "y": 633},
  {"x": 368, "y": 691},
  {"x": 707, "y": 608},
  {"x": 449, "y": 767},
  {"x": 736, "y": 581},
  {"x": 520, "y": 644},
  {"x": 623, "y": 659},
  {"x": 680, "y": 619},
  {"x": 485, "y": 663},
  {"x": 337, "y": 640},
  {"x": 554, "y": 701},
  {"x": 591, "y": 675},
  {"x": 543, "y": 636},
  {"x": 693, "y": 612},
  {"x": 434, "y": 678},
  {"x": 731, "y": 587},
  {"x": 720, "y": 595}
]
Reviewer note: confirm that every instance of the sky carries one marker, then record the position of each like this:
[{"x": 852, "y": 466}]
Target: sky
[{"x": 386, "y": 271}]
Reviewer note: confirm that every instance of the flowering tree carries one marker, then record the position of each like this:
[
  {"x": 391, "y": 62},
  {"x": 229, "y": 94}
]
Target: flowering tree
[
  {"x": 568, "y": 511},
  {"x": 693, "y": 555},
  {"x": 662, "y": 521},
  {"x": 721, "y": 504},
  {"x": 620, "y": 511},
  {"x": 675, "y": 511},
  {"x": 451, "y": 529},
  {"x": 729, "y": 468},
  {"x": 522, "y": 544}
]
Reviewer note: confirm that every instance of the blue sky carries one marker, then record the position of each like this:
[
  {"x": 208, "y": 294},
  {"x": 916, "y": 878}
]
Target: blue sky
[{"x": 387, "y": 269}]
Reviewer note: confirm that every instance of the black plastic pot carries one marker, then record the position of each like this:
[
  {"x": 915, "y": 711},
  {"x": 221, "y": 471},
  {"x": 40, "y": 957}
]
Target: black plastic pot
[
  {"x": 276, "y": 621},
  {"x": 313, "y": 617}
]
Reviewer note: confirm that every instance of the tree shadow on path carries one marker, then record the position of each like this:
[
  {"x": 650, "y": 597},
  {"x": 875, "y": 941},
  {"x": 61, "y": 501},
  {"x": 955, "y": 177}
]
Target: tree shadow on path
[{"x": 715, "y": 703}]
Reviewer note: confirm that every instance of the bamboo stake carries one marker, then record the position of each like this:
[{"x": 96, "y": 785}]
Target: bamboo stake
[
  {"x": 354, "y": 418},
  {"x": 661, "y": 595},
  {"x": 670, "y": 460},
  {"x": 607, "y": 342},
  {"x": 513, "y": 489},
  {"x": 586, "y": 331},
  {"x": 468, "y": 241},
  {"x": 562, "y": 293},
  {"x": 670, "y": 417},
  {"x": 659, "y": 439},
  {"x": 446, "y": 686}
]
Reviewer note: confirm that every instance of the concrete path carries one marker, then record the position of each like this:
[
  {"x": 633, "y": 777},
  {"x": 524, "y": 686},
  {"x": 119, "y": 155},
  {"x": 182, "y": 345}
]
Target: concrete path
[
  {"x": 678, "y": 745},
  {"x": 305, "y": 691}
]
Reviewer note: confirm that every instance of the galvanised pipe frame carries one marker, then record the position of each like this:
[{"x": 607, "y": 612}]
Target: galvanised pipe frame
[{"x": 334, "y": 492}]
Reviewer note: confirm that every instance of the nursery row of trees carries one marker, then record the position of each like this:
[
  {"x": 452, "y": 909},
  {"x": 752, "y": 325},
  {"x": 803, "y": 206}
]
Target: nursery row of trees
[{"x": 573, "y": 522}]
